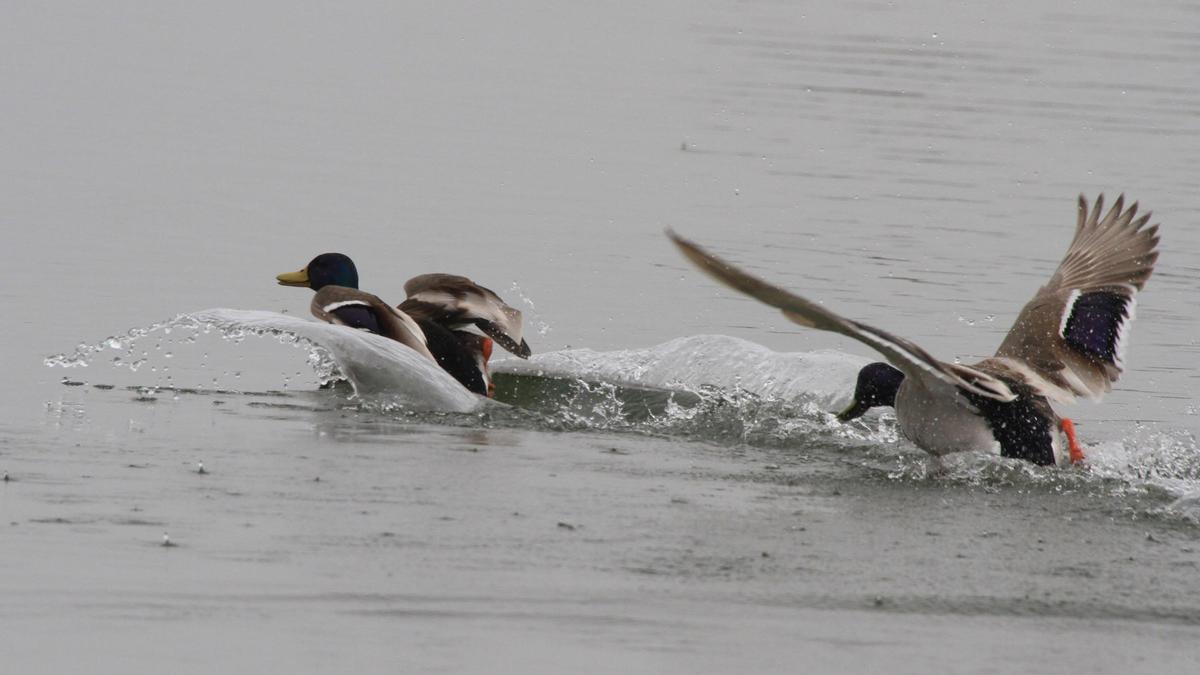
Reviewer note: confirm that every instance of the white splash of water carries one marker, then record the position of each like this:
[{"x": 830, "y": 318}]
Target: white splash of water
[
  {"x": 375, "y": 366},
  {"x": 700, "y": 361},
  {"x": 530, "y": 316}
]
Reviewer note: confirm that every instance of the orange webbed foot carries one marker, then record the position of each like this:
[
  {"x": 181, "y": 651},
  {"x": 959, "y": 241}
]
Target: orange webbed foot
[{"x": 1068, "y": 428}]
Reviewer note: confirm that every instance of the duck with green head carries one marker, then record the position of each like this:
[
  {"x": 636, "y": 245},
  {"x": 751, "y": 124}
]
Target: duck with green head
[{"x": 447, "y": 318}]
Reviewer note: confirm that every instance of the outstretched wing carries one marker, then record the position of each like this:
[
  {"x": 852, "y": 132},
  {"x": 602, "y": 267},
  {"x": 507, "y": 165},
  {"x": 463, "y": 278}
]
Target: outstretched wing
[
  {"x": 457, "y": 303},
  {"x": 908, "y": 357},
  {"x": 1072, "y": 333}
]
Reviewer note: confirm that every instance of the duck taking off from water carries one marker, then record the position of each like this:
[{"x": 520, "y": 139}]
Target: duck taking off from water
[
  {"x": 447, "y": 318},
  {"x": 1068, "y": 341}
]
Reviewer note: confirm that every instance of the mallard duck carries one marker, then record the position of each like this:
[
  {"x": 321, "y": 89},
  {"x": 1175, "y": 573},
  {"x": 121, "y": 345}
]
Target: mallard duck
[
  {"x": 447, "y": 318},
  {"x": 1068, "y": 341}
]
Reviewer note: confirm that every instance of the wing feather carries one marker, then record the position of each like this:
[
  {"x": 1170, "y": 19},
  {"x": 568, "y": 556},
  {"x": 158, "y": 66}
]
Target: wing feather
[
  {"x": 908, "y": 357},
  {"x": 1072, "y": 332},
  {"x": 454, "y": 300},
  {"x": 392, "y": 322}
]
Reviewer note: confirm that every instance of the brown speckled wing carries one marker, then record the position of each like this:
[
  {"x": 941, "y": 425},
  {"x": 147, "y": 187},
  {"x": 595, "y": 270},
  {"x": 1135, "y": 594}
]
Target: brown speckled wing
[
  {"x": 1072, "y": 333},
  {"x": 456, "y": 302},
  {"x": 394, "y": 323}
]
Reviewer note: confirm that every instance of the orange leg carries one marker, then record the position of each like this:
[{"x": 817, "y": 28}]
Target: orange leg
[{"x": 1068, "y": 428}]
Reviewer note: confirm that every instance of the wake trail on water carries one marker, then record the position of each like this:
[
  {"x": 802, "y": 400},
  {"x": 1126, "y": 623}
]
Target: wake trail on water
[
  {"x": 711, "y": 388},
  {"x": 705, "y": 361}
]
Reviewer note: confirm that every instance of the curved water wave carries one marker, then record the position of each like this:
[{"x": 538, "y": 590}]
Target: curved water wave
[{"x": 376, "y": 367}]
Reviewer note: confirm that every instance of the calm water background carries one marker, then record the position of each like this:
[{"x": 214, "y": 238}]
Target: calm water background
[{"x": 911, "y": 165}]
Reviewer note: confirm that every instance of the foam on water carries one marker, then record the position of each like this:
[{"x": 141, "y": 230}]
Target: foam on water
[
  {"x": 700, "y": 361},
  {"x": 708, "y": 387},
  {"x": 1155, "y": 460}
]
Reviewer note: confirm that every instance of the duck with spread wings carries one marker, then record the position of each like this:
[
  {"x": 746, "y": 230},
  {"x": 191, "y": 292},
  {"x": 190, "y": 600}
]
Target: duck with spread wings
[{"x": 1068, "y": 341}]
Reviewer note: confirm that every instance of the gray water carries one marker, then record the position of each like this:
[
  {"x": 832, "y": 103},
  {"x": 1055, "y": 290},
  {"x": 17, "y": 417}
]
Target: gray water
[{"x": 655, "y": 499}]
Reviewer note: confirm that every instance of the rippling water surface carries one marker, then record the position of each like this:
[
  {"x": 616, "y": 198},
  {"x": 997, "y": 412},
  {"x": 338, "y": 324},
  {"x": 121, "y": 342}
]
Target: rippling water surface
[{"x": 661, "y": 488}]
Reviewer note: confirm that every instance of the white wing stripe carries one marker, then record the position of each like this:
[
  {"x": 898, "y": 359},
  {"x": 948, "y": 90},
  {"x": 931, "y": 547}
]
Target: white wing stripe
[
  {"x": 1068, "y": 309},
  {"x": 344, "y": 303},
  {"x": 1123, "y": 331}
]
